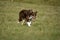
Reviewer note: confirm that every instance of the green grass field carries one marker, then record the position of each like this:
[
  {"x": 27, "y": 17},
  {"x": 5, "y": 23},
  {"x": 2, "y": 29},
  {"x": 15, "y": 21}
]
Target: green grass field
[{"x": 46, "y": 26}]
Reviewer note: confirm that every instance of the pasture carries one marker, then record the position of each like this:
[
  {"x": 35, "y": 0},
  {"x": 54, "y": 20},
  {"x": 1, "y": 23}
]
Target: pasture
[{"x": 45, "y": 27}]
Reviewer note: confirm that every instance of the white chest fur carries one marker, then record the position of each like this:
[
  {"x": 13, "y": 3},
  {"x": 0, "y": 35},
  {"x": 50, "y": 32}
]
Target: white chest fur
[{"x": 30, "y": 17}]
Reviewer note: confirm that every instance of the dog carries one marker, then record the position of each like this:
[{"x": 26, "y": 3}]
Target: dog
[{"x": 27, "y": 16}]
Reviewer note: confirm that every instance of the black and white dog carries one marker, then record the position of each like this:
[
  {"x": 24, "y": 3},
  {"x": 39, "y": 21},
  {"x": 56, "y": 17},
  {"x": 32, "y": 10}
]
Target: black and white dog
[{"x": 27, "y": 16}]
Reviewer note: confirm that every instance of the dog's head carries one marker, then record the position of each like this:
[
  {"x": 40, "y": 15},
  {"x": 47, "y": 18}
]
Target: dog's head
[{"x": 34, "y": 14}]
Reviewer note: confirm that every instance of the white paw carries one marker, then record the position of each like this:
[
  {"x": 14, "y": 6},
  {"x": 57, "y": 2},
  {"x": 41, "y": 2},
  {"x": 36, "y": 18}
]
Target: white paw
[
  {"x": 17, "y": 22},
  {"x": 29, "y": 24}
]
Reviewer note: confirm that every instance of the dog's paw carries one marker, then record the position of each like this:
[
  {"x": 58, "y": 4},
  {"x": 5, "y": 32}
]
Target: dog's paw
[
  {"x": 29, "y": 24},
  {"x": 18, "y": 22}
]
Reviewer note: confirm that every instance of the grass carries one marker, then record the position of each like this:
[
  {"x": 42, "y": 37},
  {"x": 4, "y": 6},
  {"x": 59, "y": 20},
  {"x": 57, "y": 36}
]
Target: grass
[
  {"x": 38, "y": 2},
  {"x": 46, "y": 26}
]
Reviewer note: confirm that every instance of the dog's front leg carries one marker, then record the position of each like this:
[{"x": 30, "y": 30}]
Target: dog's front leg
[{"x": 29, "y": 23}]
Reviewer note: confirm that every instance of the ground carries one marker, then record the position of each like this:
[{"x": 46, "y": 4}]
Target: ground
[{"x": 45, "y": 27}]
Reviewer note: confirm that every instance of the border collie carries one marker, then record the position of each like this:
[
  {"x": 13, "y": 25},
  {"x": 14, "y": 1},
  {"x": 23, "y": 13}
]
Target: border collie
[{"x": 27, "y": 16}]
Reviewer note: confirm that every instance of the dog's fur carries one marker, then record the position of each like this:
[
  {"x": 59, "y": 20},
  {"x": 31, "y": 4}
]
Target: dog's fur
[{"x": 27, "y": 15}]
